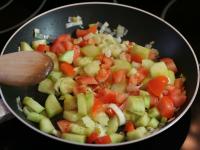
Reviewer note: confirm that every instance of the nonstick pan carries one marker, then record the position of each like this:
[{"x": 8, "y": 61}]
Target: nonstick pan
[{"x": 142, "y": 26}]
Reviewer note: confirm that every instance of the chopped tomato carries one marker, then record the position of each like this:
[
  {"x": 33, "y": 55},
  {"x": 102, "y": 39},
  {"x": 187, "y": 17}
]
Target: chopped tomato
[
  {"x": 81, "y": 33},
  {"x": 61, "y": 44},
  {"x": 67, "y": 45},
  {"x": 57, "y": 48},
  {"x": 97, "y": 106},
  {"x": 128, "y": 57},
  {"x": 106, "y": 62},
  {"x": 79, "y": 89},
  {"x": 129, "y": 126},
  {"x": 110, "y": 112},
  {"x": 170, "y": 64},
  {"x": 153, "y": 100},
  {"x": 107, "y": 96},
  {"x": 178, "y": 83},
  {"x": 143, "y": 71},
  {"x": 103, "y": 140},
  {"x": 141, "y": 74},
  {"x": 153, "y": 54},
  {"x": 133, "y": 80},
  {"x": 67, "y": 69},
  {"x": 63, "y": 38},
  {"x": 103, "y": 75},
  {"x": 91, "y": 29},
  {"x": 157, "y": 85},
  {"x": 64, "y": 125},
  {"x": 42, "y": 48},
  {"x": 136, "y": 58},
  {"x": 100, "y": 57},
  {"x": 77, "y": 53},
  {"x": 87, "y": 80},
  {"x": 166, "y": 107},
  {"x": 121, "y": 97},
  {"x": 119, "y": 76},
  {"x": 92, "y": 137},
  {"x": 178, "y": 96}
]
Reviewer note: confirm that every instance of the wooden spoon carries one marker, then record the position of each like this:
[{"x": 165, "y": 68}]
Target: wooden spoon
[{"x": 24, "y": 68}]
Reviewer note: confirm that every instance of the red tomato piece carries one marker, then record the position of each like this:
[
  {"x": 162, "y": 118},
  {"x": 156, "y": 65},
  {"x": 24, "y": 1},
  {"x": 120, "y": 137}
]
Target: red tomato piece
[
  {"x": 103, "y": 75},
  {"x": 86, "y": 80},
  {"x": 157, "y": 85},
  {"x": 129, "y": 126},
  {"x": 166, "y": 107},
  {"x": 42, "y": 48},
  {"x": 106, "y": 62},
  {"x": 153, "y": 100},
  {"x": 97, "y": 106},
  {"x": 57, "y": 48},
  {"x": 63, "y": 38},
  {"x": 67, "y": 69},
  {"x": 178, "y": 83},
  {"x": 64, "y": 125},
  {"x": 103, "y": 140},
  {"x": 178, "y": 96},
  {"x": 170, "y": 64},
  {"x": 81, "y": 33},
  {"x": 121, "y": 97},
  {"x": 77, "y": 53},
  {"x": 92, "y": 29},
  {"x": 79, "y": 89},
  {"x": 107, "y": 96},
  {"x": 119, "y": 76},
  {"x": 133, "y": 80},
  {"x": 67, "y": 45},
  {"x": 110, "y": 112},
  {"x": 92, "y": 137},
  {"x": 136, "y": 58}
]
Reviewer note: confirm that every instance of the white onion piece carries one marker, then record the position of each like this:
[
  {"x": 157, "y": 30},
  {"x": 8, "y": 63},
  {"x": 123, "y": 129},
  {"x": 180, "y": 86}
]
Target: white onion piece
[{"x": 119, "y": 113}]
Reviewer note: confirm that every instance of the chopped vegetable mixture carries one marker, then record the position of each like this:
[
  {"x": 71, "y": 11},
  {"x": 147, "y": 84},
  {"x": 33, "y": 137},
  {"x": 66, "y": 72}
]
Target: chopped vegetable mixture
[{"x": 102, "y": 89}]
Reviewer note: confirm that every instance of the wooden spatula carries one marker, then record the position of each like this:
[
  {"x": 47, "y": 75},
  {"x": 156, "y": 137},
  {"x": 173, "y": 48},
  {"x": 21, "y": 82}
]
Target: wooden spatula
[{"x": 24, "y": 68}]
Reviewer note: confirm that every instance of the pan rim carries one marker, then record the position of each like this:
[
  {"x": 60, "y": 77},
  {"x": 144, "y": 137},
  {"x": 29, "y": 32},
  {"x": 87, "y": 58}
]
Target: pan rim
[{"x": 123, "y": 143}]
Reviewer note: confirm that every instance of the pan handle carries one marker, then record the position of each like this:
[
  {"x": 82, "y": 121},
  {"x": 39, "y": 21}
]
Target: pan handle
[{"x": 5, "y": 114}]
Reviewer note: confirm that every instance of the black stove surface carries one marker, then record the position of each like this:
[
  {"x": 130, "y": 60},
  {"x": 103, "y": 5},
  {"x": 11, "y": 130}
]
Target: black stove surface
[{"x": 15, "y": 135}]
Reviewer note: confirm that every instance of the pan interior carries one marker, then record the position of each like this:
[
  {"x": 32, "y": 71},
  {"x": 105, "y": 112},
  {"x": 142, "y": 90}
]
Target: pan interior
[{"x": 142, "y": 29}]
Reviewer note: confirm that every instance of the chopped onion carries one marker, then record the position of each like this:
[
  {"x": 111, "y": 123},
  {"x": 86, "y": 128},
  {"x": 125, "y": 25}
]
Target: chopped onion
[
  {"x": 38, "y": 35},
  {"x": 121, "y": 31},
  {"x": 72, "y": 24},
  {"x": 150, "y": 45},
  {"x": 103, "y": 27},
  {"x": 119, "y": 113},
  {"x": 19, "y": 104},
  {"x": 107, "y": 52},
  {"x": 74, "y": 21}
]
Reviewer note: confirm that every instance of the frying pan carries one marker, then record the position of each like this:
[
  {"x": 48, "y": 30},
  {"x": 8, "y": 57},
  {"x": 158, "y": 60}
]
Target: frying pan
[{"x": 142, "y": 26}]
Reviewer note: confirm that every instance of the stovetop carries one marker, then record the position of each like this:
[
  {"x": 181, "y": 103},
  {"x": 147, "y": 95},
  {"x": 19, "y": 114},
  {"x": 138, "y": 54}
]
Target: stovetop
[{"x": 185, "y": 133}]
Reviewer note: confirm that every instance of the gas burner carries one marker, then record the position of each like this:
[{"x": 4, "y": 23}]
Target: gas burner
[{"x": 21, "y": 12}]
